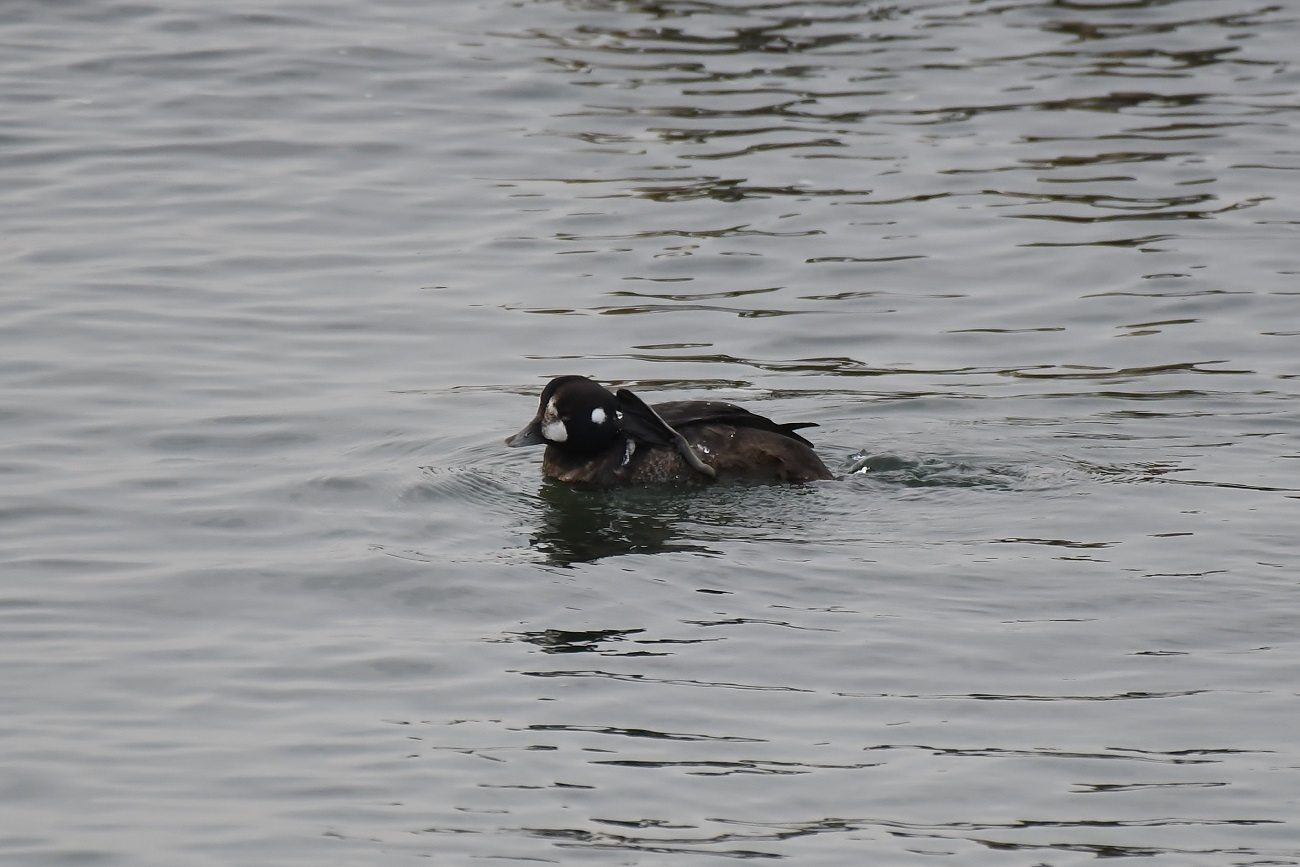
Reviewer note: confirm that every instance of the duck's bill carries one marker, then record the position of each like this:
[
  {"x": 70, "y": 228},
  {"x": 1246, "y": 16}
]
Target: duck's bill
[{"x": 529, "y": 436}]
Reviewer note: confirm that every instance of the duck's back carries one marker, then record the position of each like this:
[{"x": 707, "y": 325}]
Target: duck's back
[{"x": 737, "y": 443}]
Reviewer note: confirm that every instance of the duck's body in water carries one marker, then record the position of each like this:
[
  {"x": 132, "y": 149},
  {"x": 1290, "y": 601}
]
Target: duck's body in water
[{"x": 599, "y": 438}]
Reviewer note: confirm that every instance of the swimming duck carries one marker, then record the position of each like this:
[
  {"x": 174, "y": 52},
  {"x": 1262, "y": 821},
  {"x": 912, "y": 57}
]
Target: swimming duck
[{"x": 605, "y": 439}]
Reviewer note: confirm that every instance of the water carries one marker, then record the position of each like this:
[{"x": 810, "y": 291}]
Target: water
[{"x": 278, "y": 282}]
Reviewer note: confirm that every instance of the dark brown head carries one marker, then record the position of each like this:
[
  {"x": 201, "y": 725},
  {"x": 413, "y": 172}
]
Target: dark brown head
[
  {"x": 580, "y": 417},
  {"x": 575, "y": 414}
]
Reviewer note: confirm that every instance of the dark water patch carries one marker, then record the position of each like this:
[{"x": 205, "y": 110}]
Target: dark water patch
[
  {"x": 734, "y": 190},
  {"x": 585, "y": 641},
  {"x": 1108, "y": 788},
  {"x": 834, "y": 366},
  {"x": 659, "y": 681},
  {"x": 1127, "y": 696},
  {"x": 1184, "y": 214},
  {"x": 1229, "y": 485},
  {"x": 744, "y": 313},
  {"x": 578, "y": 526},
  {"x": 741, "y": 231},
  {"x": 574, "y": 525},
  {"x": 1055, "y": 543},
  {"x": 1137, "y": 472},
  {"x": 604, "y": 642},
  {"x": 653, "y": 384},
  {"x": 1143, "y": 242},
  {"x": 1039, "y": 329},
  {"x": 860, "y": 259},
  {"x": 747, "y": 621},
  {"x": 645, "y": 733},
  {"x": 1173, "y": 757},
  {"x": 718, "y": 768},
  {"x": 914, "y": 838},
  {"x": 696, "y": 296},
  {"x": 1091, "y": 372}
]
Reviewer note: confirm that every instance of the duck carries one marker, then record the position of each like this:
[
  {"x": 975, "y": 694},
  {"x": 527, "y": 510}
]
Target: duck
[{"x": 606, "y": 439}]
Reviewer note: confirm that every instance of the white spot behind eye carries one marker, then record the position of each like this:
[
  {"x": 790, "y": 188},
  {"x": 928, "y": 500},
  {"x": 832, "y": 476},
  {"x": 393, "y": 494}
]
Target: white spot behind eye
[{"x": 597, "y": 416}]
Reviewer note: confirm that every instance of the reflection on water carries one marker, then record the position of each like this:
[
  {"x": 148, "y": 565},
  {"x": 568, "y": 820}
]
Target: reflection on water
[
  {"x": 577, "y": 525},
  {"x": 570, "y": 641},
  {"x": 581, "y": 525}
]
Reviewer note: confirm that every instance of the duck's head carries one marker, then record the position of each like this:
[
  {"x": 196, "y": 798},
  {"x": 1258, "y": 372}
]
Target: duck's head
[
  {"x": 575, "y": 414},
  {"x": 582, "y": 417}
]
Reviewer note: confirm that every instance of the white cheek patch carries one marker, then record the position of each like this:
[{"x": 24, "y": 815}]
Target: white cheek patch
[
  {"x": 555, "y": 431},
  {"x": 553, "y": 428},
  {"x": 598, "y": 416}
]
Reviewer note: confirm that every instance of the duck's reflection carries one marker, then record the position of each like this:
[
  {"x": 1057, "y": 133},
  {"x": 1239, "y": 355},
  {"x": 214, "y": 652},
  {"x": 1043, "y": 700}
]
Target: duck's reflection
[
  {"x": 577, "y": 525},
  {"x": 570, "y": 641}
]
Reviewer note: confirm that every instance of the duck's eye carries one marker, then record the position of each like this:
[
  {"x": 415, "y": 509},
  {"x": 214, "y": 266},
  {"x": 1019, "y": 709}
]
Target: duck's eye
[{"x": 598, "y": 416}]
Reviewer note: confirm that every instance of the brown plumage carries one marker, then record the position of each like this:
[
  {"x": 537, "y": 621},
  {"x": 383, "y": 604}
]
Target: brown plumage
[{"x": 606, "y": 440}]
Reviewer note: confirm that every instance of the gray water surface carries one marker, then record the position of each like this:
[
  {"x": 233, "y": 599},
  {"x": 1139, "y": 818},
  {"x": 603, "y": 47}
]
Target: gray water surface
[{"x": 279, "y": 278}]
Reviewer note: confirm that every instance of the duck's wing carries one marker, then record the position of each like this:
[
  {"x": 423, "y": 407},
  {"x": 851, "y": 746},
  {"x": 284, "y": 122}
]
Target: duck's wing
[
  {"x": 685, "y": 413},
  {"x": 642, "y": 422}
]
